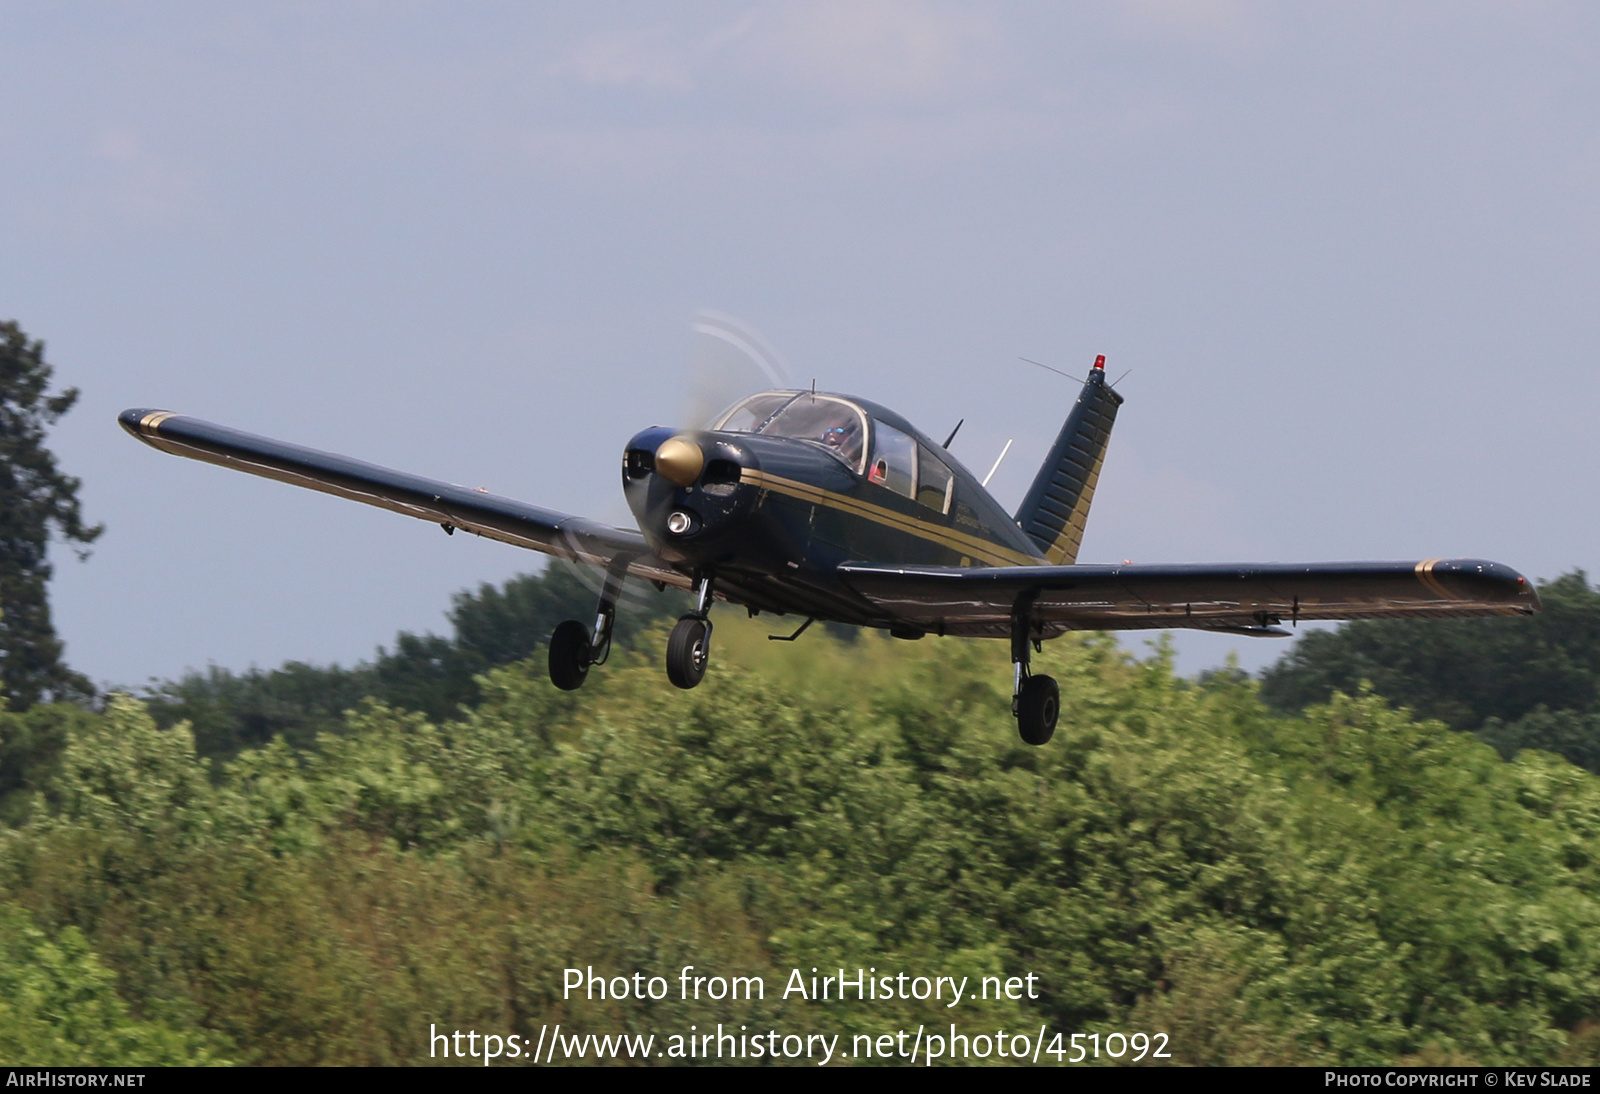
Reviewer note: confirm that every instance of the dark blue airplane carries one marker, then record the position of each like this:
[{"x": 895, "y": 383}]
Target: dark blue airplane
[{"x": 833, "y": 508}]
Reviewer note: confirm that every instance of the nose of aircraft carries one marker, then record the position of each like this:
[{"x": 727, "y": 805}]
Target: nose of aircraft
[
  {"x": 679, "y": 460},
  {"x": 686, "y": 490}
]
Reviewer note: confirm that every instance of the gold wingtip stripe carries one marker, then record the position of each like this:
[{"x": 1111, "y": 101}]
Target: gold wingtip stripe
[
  {"x": 148, "y": 424},
  {"x": 1432, "y": 583}
]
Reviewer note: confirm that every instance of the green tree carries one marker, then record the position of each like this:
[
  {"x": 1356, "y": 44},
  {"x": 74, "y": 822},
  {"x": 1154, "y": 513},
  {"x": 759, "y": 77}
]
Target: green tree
[
  {"x": 1498, "y": 678},
  {"x": 30, "y": 754},
  {"x": 231, "y": 711},
  {"x": 494, "y": 626},
  {"x": 35, "y": 498},
  {"x": 59, "y": 1006}
]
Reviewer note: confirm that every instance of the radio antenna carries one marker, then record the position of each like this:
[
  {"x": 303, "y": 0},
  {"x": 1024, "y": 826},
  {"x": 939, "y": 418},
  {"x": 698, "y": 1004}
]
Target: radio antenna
[
  {"x": 1046, "y": 367},
  {"x": 953, "y": 433},
  {"x": 996, "y": 466}
]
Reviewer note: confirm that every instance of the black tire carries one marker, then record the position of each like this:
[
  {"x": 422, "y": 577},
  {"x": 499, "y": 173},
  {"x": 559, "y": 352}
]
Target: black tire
[
  {"x": 688, "y": 651},
  {"x": 1038, "y": 707},
  {"x": 569, "y": 655}
]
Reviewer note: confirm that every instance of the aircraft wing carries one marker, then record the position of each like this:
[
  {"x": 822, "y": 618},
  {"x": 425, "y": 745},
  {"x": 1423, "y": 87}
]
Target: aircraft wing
[
  {"x": 461, "y": 507},
  {"x": 1248, "y": 599}
]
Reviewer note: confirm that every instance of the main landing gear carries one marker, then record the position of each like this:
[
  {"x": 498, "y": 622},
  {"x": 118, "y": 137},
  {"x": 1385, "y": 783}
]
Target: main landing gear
[
  {"x": 569, "y": 655},
  {"x": 1035, "y": 700},
  {"x": 689, "y": 647},
  {"x": 572, "y": 651}
]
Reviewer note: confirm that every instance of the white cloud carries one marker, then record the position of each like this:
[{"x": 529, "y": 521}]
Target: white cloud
[
  {"x": 657, "y": 58},
  {"x": 141, "y": 186},
  {"x": 739, "y": 153},
  {"x": 630, "y": 58},
  {"x": 864, "y": 50},
  {"x": 847, "y": 87},
  {"x": 899, "y": 48},
  {"x": 1226, "y": 27}
]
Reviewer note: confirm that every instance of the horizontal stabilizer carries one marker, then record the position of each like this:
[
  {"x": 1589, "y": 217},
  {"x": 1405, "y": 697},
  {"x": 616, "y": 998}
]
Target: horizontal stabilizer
[{"x": 1248, "y": 632}]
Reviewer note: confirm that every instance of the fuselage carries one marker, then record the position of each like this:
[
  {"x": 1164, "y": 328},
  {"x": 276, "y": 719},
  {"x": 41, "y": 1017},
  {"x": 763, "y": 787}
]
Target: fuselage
[{"x": 787, "y": 485}]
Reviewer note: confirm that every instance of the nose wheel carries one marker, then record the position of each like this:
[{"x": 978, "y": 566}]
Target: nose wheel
[
  {"x": 689, "y": 645},
  {"x": 688, "y": 651}
]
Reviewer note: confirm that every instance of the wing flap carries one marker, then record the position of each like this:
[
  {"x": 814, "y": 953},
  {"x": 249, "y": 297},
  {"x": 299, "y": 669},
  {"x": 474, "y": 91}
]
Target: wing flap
[
  {"x": 1251, "y": 598},
  {"x": 475, "y": 511}
]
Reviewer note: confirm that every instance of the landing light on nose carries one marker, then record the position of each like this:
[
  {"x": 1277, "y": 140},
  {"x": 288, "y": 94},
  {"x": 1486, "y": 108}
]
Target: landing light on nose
[{"x": 680, "y": 460}]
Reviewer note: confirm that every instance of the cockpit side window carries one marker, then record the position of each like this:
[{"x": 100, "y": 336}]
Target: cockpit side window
[
  {"x": 894, "y": 459},
  {"x": 834, "y": 424},
  {"x": 749, "y": 415},
  {"x": 935, "y": 482}
]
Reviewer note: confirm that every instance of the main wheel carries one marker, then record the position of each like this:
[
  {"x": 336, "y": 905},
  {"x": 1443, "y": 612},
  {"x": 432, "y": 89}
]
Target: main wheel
[
  {"x": 688, "y": 650},
  {"x": 569, "y": 655},
  {"x": 1037, "y": 709}
]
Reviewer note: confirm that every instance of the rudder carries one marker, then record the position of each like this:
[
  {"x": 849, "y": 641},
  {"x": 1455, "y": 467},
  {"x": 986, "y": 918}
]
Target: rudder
[{"x": 1056, "y": 507}]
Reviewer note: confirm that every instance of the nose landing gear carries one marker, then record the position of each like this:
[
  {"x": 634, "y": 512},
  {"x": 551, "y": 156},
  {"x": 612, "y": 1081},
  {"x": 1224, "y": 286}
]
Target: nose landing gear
[
  {"x": 689, "y": 646},
  {"x": 1035, "y": 700}
]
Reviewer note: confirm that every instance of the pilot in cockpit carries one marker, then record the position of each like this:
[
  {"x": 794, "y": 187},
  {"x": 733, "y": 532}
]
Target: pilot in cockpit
[{"x": 844, "y": 436}]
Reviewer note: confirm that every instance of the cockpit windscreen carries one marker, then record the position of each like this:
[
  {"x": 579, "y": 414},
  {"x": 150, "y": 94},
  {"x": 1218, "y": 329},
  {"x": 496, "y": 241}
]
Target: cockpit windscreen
[
  {"x": 749, "y": 415},
  {"x": 835, "y": 424}
]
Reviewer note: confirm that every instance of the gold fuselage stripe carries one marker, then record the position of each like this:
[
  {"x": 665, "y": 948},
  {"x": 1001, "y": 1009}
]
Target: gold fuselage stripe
[{"x": 993, "y": 553}]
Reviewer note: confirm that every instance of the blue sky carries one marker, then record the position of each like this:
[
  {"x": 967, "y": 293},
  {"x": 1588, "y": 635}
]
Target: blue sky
[{"x": 1349, "y": 250}]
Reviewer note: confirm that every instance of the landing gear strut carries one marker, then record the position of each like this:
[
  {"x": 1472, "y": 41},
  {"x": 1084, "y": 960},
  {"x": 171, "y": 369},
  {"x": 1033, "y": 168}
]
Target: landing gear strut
[
  {"x": 1035, "y": 700},
  {"x": 572, "y": 651},
  {"x": 689, "y": 647}
]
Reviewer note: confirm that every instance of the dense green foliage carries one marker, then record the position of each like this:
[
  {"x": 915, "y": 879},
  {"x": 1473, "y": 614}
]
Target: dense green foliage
[
  {"x": 1530, "y": 682},
  {"x": 1346, "y": 885},
  {"x": 36, "y": 499},
  {"x": 59, "y": 1006},
  {"x": 31, "y": 744}
]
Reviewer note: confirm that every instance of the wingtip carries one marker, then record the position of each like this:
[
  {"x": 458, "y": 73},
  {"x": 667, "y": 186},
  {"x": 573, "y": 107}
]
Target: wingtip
[
  {"x": 141, "y": 421},
  {"x": 1493, "y": 581}
]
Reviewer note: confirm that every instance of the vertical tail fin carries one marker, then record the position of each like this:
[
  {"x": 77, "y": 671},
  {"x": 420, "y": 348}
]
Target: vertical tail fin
[{"x": 1057, "y": 506}]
